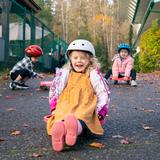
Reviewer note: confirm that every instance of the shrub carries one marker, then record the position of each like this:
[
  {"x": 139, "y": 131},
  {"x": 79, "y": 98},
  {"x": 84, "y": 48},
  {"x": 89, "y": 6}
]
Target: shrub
[{"x": 149, "y": 56}]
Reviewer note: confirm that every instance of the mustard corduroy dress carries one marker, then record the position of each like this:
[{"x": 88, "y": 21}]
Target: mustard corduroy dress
[{"x": 79, "y": 99}]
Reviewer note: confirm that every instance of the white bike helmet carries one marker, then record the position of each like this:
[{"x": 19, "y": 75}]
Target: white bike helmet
[{"x": 81, "y": 45}]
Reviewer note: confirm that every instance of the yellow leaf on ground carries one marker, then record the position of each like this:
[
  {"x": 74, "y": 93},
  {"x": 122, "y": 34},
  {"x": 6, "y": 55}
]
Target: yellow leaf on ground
[
  {"x": 97, "y": 145},
  {"x": 16, "y": 133},
  {"x": 36, "y": 155}
]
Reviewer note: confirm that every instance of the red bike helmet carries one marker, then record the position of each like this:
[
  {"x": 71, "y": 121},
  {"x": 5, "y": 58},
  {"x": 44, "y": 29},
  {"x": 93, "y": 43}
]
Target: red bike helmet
[{"x": 34, "y": 51}]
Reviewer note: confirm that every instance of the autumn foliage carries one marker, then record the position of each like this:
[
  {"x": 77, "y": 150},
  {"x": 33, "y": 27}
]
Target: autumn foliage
[{"x": 149, "y": 58}]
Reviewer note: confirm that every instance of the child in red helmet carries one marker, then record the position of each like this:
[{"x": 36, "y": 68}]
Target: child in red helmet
[{"x": 23, "y": 70}]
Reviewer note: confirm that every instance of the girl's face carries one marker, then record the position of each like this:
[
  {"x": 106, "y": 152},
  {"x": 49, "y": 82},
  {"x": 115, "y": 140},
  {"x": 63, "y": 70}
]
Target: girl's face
[
  {"x": 123, "y": 53},
  {"x": 79, "y": 60},
  {"x": 34, "y": 59}
]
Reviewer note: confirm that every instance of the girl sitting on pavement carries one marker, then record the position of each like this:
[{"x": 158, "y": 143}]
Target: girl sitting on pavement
[
  {"x": 78, "y": 97},
  {"x": 122, "y": 65}
]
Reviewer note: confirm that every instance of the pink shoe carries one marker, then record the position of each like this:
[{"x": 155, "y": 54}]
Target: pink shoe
[
  {"x": 71, "y": 127},
  {"x": 58, "y": 133}
]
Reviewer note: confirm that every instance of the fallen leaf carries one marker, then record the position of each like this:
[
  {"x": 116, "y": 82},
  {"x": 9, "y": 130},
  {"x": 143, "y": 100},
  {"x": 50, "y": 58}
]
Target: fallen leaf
[
  {"x": 145, "y": 127},
  {"x": 25, "y": 125},
  {"x": 36, "y": 155},
  {"x": 153, "y": 99},
  {"x": 97, "y": 145},
  {"x": 117, "y": 136},
  {"x": 16, "y": 133},
  {"x": 8, "y": 97},
  {"x": 11, "y": 109},
  {"x": 149, "y": 110},
  {"x": 126, "y": 141},
  {"x": 149, "y": 99},
  {"x": 5, "y": 77},
  {"x": 2, "y": 139}
]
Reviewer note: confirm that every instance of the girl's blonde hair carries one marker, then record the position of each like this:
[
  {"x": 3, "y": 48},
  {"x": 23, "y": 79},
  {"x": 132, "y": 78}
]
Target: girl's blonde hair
[{"x": 92, "y": 65}]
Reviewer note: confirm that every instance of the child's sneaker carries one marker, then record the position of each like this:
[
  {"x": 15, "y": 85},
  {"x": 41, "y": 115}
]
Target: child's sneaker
[
  {"x": 58, "y": 135},
  {"x": 14, "y": 85},
  {"x": 71, "y": 126},
  {"x": 133, "y": 83},
  {"x": 24, "y": 86}
]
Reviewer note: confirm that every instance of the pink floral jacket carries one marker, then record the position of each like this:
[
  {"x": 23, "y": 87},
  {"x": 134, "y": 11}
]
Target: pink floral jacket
[
  {"x": 97, "y": 81},
  {"x": 122, "y": 66}
]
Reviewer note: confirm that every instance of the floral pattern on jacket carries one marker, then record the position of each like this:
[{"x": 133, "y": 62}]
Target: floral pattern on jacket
[
  {"x": 100, "y": 87},
  {"x": 122, "y": 66}
]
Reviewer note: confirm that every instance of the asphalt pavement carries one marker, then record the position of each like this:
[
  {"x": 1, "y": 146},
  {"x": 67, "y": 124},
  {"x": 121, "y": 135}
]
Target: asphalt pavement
[{"x": 132, "y": 131}]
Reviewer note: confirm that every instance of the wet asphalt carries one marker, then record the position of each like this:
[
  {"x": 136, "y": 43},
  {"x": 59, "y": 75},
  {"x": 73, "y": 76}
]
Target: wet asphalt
[{"x": 134, "y": 118}]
